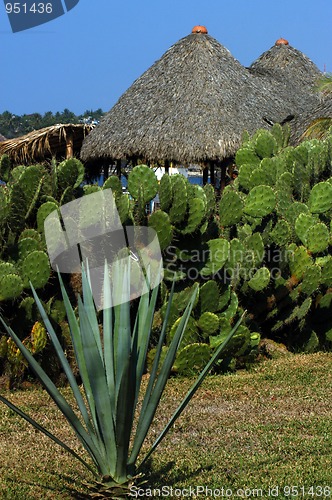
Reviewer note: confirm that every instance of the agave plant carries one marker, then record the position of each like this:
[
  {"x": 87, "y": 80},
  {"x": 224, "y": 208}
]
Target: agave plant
[{"x": 111, "y": 367}]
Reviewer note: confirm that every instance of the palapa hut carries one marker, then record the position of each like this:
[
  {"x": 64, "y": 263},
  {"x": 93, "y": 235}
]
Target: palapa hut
[
  {"x": 290, "y": 75},
  {"x": 191, "y": 106},
  {"x": 59, "y": 141},
  {"x": 313, "y": 117}
]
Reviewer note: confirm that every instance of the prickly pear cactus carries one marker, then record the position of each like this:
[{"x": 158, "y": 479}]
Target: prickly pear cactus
[
  {"x": 35, "y": 268},
  {"x": 142, "y": 184},
  {"x": 230, "y": 208},
  {"x": 160, "y": 222}
]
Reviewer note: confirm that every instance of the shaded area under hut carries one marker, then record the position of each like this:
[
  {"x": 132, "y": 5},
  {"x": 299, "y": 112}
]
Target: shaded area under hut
[{"x": 58, "y": 141}]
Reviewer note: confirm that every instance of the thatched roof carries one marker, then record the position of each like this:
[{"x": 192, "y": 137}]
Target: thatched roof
[
  {"x": 291, "y": 75},
  {"x": 45, "y": 143},
  {"x": 322, "y": 110},
  {"x": 191, "y": 106}
]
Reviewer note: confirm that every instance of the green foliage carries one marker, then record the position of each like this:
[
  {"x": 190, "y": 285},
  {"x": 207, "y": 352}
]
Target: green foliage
[
  {"x": 160, "y": 222},
  {"x": 142, "y": 184},
  {"x": 320, "y": 199},
  {"x": 12, "y": 125},
  {"x": 111, "y": 368},
  {"x": 230, "y": 208},
  {"x": 260, "y": 201}
]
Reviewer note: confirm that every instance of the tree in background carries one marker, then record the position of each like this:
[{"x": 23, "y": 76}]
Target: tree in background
[{"x": 12, "y": 125}]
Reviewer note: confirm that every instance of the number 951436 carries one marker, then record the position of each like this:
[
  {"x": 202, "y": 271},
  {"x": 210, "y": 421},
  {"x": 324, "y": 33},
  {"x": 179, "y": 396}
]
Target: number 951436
[{"x": 23, "y": 8}]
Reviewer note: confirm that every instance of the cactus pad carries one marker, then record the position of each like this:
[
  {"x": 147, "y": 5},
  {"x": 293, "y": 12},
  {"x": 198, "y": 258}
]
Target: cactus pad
[
  {"x": 248, "y": 156},
  {"x": 302, "y": 225},
  {"x": 190, "y": 334},
  {"x": 208, "y": 323},
  {"x": 70, "y": 173},
  {"x": 38, "y": 337},
  {"x": 320, "y": 199},
  {"x": 192, "y": 359},
  {"x": 142, "y": 184},
  {"x": 218, "y": 255},
  {"x": 260, "y": 201},
  {"x": 265, "y": 144},
  {"x": 311, "y": 279},
  {"x": 230, "y": 208},
  {"x": 327, "y": 273},
  {"x": 281, "y": 233},
  {"x": 179, "y": 205},
  {"x": 260, "y": 279},
  {"x": 11, "y": 286},
  {"x": 114, "y": 183},
  {"x": 26, "y": 246},
  {"x": 165, "y": 192},
  {"x": 197, "y": 211},
  {"x": 299, "y": 261},
  {"x": 318, "y": 238},
  {"x": 160, "y": 222},
  {"x": 36, "y": 268},
  {"x": 210, "y": 200},
  {"x": 209, "y": 297},
  {"x": 44, "y": 211}
]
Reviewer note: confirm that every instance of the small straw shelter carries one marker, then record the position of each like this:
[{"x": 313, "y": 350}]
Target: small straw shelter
[
  {"x": 290, "y": 75},
  {"x": 189, "y": 107},
  {"x": 59, "y": 141}
]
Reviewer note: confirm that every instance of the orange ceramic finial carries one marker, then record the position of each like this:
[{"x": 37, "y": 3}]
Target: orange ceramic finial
[
  {"x": 199, "y": 29},
  {"x": 282, "y": 41}
]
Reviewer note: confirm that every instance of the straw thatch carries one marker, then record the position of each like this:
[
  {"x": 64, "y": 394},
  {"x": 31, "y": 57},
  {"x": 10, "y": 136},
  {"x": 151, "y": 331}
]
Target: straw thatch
[
  {"x": 43, "y": 144},
  {"x": 191, "y": 106},
  {"x": 291, "y": 75},
  {"x": 323, "y": 110}
]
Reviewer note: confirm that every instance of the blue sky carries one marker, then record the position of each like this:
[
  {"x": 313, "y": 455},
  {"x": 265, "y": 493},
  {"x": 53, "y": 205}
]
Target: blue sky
[{"x": 87, "y": 58}]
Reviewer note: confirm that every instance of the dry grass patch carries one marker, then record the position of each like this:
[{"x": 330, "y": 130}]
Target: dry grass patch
[{"x": 271, "y": 426}]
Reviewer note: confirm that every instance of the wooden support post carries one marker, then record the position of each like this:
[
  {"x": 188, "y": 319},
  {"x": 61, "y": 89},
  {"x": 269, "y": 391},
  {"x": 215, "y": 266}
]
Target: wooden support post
[
  {"x": 205, "y": 175},
  {"x": 106, "y": 171},
  {"x": 69, "y": 145},
  {"x": 118, "y": 168},
  {"x": 212, "y": 175}
]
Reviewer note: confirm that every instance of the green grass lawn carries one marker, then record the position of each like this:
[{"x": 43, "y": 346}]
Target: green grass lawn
[{"x": 241, "y": 435}]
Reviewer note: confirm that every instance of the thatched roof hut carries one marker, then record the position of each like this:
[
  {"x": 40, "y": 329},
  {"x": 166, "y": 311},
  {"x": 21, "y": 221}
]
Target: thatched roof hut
[
  {"x": 60, "y": 141},
  {"x": 191, "y": 106},
  {"x": 323, "y": 110},
  {"x": 290, "y": 74}
]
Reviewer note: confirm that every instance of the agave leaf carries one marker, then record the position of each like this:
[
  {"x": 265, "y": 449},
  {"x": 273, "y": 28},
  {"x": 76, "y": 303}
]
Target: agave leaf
[
  {"x": 79, "y": 355},
  {"x": 193, "y": 389},
  {"x": 44, "y": 431},
  {"x": 90, "y": 307},
  {"x": 108, "y": 337},
  {"x": 142, "y": 334},
  {"x": 151, "y": 405},
  {"x": 58, "y": 398},
  {"x": 99, "y": 387},
  {"x": 63, "y": 360}
]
